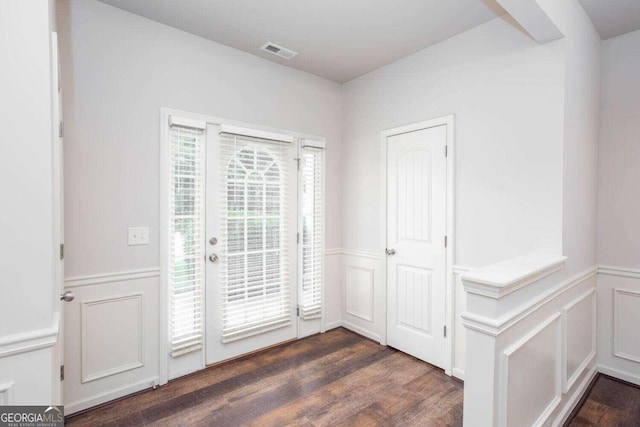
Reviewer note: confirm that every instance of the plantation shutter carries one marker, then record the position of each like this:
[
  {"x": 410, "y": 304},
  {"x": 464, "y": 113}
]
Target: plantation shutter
[
  {"x": 312, "y": 251},
  {"x": 255, "y": 261},
  {"x": 186, "y": 223}
]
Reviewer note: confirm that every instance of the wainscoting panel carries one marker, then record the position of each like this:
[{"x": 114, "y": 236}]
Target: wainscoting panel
[
  {"x": 364, "y": 304},
  {"x": 579, "y": 337},
  {"x": 619, "y": 323},
  {"x": 360, "y": 290},
  {"x": 626, "y": 320},
  {"x": 111, "y": 337},
  {"x": 533, "y": 362},
  {"x": 530, "y": 376}
]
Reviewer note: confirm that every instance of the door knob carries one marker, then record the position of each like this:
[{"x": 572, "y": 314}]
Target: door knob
[
  {"x": 213, "y": 241},
  {"x": 213, "y": 258},
  {"x": 67, "y": 296},
  {"x": 390, "y": 252}
]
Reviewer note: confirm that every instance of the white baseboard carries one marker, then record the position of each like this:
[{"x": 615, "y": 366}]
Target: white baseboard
[
  {"x": 621, "y": 375},
  {"x": 458, "y": 373},
  {"x": 71, "y": 408},
  {"x": 361, "y": 331},
  {"x": 332, "y": 325},
  {"x": 575, "y": 398}
]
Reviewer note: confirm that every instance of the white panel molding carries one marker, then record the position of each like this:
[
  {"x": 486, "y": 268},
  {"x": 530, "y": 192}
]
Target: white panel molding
[
  {"x": 350, "y": 308},
  {"x": 85, "y": 306},
  {"x": 608, "y": 270},
  {"x": 495, "y": 327},
  {"x": 569, "y": 381},
  {"x": 505, "y": 277},
  {"x": 618, "y": 294},
  {"x": 29, "y": 341},
  {"x": 98, "y": 279},
  {"x": 362, "y": 331},
  {"x": 6, "y": 393},
  {"x": 504, "y": 371},
  {"x": 80, "y": 405}
]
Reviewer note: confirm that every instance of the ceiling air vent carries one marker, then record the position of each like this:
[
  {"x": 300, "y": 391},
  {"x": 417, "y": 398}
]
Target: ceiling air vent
[{"x": 282, "y": 52}]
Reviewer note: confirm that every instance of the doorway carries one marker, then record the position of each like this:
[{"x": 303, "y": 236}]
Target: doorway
[
  {"x": 419, "y": 230},
  {"x": 244, "y": 242}
]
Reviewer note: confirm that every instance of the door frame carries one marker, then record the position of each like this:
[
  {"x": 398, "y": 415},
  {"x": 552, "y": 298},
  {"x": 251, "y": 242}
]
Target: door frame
[
  {"x": 447, "y": 121},
  {"x": 164, "y": 293}
]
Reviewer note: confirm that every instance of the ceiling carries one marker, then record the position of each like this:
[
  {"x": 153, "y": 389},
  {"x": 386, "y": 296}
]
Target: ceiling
[
  {"x": 335, "y": 39},
  {"x": 613, "y": 17}
]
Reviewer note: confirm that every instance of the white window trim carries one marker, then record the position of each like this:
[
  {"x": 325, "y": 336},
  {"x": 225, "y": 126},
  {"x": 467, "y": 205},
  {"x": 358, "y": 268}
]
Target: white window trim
[
  {"x": 302, "y": 144},
  {"x": 187, "y": 118}
]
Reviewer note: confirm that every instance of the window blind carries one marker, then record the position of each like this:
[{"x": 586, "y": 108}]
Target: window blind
[
  {"x": 255, "y": 264},
  {"x": 312, "y": 256},
  {"x": 186, "y": 223}
]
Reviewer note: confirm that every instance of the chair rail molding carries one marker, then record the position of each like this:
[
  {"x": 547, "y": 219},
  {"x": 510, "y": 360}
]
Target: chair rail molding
[
  {"x": 608, "y": 270},
  {"x": 29, "y": 341},
  {"x": 120, "y": 276}
]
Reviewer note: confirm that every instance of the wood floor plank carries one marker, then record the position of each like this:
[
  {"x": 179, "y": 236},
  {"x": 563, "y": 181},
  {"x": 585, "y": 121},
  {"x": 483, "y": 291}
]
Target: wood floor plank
[
  {"x": 610, "y": 402},
  {"x": 336, "y": 378}
]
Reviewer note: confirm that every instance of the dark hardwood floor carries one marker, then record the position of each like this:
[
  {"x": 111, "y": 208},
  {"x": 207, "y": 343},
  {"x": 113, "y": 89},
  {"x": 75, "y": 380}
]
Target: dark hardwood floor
[
  {"x": 336, "y": 378},
  {"x": 610, "y": 402}
]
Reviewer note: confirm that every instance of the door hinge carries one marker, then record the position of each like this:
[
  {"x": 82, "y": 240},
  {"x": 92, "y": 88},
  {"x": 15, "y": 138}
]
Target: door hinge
[
  {"x": 298, "y": 238},
  {"x": 61, "y": 251},
  {"x": 61, "y": 372},
  {"x": 445, "y": 331},
  {"x": 445, "y": 241},
  {"x": 446, "y": 151},
  {"x": 60, "y": 129},
  {"x": 298, "y": 311},
  {"x": 298, "y": 160}
]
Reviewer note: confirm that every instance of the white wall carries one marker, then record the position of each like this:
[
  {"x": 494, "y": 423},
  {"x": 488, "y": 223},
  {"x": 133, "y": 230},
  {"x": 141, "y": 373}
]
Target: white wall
[
  {"x": 619, "y": 209},
  {"x": 582, "y": 46},
  {"x": 28, "y": 329},
  {"x": 507, "y": 95},
  {"x": 119, "y": 69}
]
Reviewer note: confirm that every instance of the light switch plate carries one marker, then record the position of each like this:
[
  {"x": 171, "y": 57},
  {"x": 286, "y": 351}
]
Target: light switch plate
[{"x": 138, "y": 236}]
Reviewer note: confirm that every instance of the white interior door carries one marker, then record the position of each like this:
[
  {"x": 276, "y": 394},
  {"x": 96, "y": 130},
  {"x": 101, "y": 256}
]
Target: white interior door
[
  {"x": 416, "y": 253},
  {"x": 250, "y": 244}
]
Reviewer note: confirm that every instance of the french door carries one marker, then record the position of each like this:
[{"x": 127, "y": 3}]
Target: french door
[{"x": 250, "y": 243}]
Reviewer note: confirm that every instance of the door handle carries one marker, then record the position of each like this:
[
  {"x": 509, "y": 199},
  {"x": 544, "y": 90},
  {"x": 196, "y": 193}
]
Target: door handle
[
  {"x": 67, "y": 296},
  {"x": 213, "y": 258},
  {"x": 390, "y": 252}
]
